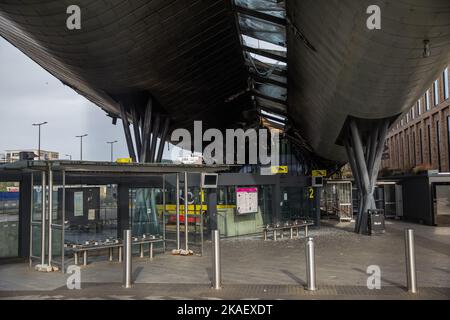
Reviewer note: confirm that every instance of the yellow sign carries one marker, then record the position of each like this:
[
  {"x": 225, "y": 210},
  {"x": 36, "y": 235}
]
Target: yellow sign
[
  {"x": 319, "y": 173},
  {"x": 202, "y": 196},
  {"x": 311, "y": 193},
  {"x": 124, "y": 160},
  {"x": 280, "y": 169}
]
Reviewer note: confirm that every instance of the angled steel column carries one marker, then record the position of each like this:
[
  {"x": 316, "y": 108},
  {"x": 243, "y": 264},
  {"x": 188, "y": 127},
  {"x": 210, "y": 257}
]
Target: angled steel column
[
  {"x": 146, "y": 130},
  {"x": 373, "y": 150},
  {"x": 154, "y": 139},
  {"x": 379, "y": 152},
  {"x": 363, "y": 174},
  {"x": 365, "y": 166},
  {"x": 137, "y": 134},
  {"x": 126, "y": 129},
  {"x": 162, "y": 140}
]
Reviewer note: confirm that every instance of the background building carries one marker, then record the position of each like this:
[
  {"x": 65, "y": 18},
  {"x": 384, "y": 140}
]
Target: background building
[
  {"x": 421, "y": 138},
  {"x": 14, "y": 155}
]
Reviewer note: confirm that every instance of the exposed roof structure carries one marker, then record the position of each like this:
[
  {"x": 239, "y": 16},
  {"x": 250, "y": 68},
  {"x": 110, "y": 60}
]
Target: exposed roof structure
[{"x": 302, "y": 66}]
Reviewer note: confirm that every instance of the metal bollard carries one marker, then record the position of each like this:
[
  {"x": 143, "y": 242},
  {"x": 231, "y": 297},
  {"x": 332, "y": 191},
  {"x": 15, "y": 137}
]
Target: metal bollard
[
  {"x": 217, "y": 275},
  {"x": 411, "y": 277},
  {"x": 310, "y": 265},
  {"x": 127, "y": 258}
]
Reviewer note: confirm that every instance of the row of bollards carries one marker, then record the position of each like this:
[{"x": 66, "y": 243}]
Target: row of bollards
[{"x": 310, "y": 261}]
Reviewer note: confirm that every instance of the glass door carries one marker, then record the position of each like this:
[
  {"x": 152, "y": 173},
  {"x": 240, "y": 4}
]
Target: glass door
[{"x": 9, "y": 219}]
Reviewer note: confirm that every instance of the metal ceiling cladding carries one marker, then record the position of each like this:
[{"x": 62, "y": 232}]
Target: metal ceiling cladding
[
  {"x": 186, "y": 54},
  {"x": 192, "y": 58},
  {"x": 358, "y": 72}
]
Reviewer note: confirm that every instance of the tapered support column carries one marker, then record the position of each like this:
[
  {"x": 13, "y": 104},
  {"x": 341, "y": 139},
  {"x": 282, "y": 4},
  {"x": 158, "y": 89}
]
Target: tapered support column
[
  {"x": 364, "y": 153},
  {"x": 148, "y": 126},
  {"x": 154, "y": 139}
]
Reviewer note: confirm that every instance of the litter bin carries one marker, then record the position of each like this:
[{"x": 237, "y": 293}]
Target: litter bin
[{"x": 376, "y": 221}]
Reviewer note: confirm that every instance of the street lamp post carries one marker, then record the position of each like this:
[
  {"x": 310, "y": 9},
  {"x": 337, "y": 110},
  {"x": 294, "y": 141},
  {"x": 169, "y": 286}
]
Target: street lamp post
[
  {"x": 112, "y": 144},
  {"x": 81, "y": 145},
  {"x": 39, "y": 140}
]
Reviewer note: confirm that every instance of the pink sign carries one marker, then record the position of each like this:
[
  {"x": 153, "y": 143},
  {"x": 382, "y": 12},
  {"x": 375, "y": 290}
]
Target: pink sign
[{"x": 247, "y": 190}]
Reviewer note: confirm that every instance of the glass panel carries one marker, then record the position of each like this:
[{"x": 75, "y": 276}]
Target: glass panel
[
  {"x": 436, "y": 92},
  {"x": 261, "y": 44},
  {"x": 271, "y": 90},
  {"x": 443, "y": 204},
  {"x": 271, "y": 7},
  {"x": 91, "y": 213},
  {"x": 9, "y": 219},
  {"x": 170, "y": 209},
  {"x": 57, "y": 222},
  {"x": 36, "y": 220},
  {"x": 262, "y": 30},
  {"x": 446, "y": 88},
  {"x": 144, "y": 216},
  {"x": 298, "y": 203}
]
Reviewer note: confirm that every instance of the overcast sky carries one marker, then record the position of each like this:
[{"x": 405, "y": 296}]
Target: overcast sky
[{"x": 29, "y": 94}]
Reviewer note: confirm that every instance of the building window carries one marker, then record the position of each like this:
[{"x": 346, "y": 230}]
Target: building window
[
  {"x": 421, "y": 144},
  {"x": 427, "y": 100},
  {"x": 436, "y": 92},
  {"x": 413, "y": 114},
  {"x": 408, "y": 150},
  {"x": 414, "y": 150},
  {"x": 438, "y": 141},
  {"x": 419, "y": 107},
  {"x": 445, "y": 83},
  {"x": 429, "y": 146},
  {"x": 401, "y": 123},
  {"x": 407, "y": 117},
  {"x": 448, "y": 138}
]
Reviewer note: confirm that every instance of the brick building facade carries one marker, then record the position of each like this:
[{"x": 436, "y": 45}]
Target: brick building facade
[{"x": 421, "y": 138}]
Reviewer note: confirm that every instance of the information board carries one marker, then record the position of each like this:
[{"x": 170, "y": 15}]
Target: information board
[
  {"x": 78, "y": 204},
  {"x": 246, "y": 200}
]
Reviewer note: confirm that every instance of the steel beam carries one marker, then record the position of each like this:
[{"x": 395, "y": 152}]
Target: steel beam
[
  {"x": 162, "y": 140},
  {"x": 266, "y": 53},
  {"x": 261, "y": 15},
  {"x": 154, "y": 139},
  {"x": 146, "y": 130},
  {"x": 379, "y": 153},
  {"x": 126, "y": 129},
  {"x": 137, "y": 133},
  {"x": 263, "y": 96}
]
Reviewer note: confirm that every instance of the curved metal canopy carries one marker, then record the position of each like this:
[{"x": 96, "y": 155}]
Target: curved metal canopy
[{"x": 310, "y": 64}]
